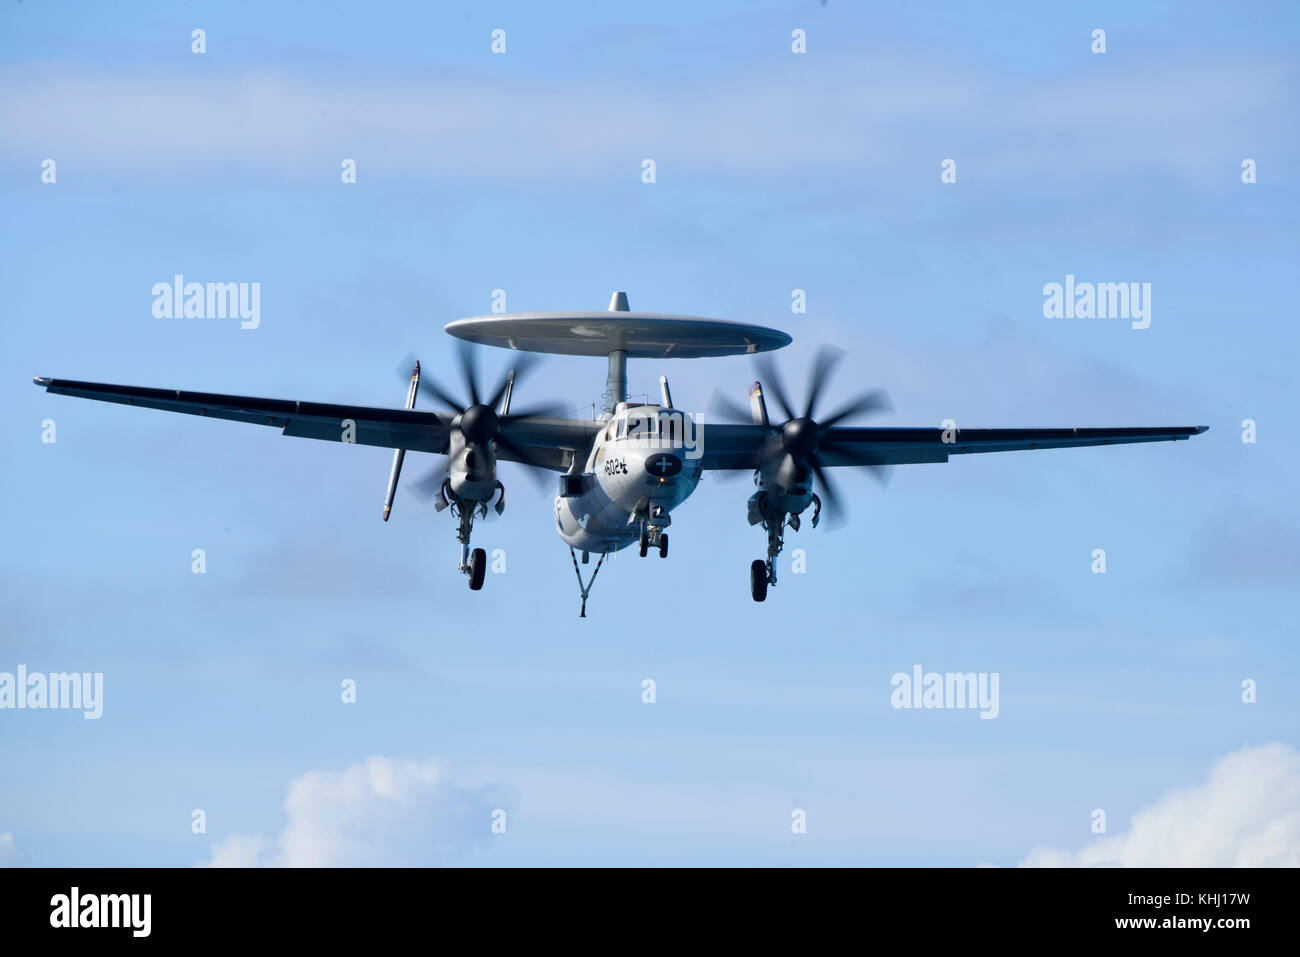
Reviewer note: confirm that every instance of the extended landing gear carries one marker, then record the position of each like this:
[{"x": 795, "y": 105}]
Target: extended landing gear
[
  {"x": 762, "y": 574},
  {"x": 472, "y": 563},
  {"x": 652, "y": 535}
]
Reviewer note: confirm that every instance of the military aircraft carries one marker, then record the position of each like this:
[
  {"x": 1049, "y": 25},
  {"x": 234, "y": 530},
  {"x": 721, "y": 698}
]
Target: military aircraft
[{"x": 622, "y": 472}]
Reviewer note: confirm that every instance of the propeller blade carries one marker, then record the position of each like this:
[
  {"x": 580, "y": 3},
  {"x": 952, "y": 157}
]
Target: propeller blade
[
  {"x": 435, "y": 390},
  {"x": 883, "y": 474},
  {"x": 773, "y": 448},
  {"x": 428, "y": 388},
  {"x": 404, "y": 368},
  {"x": 836, "y": 453},
  {"x": 469, "y": 369},
  {"x": 521, "y": 366},
  {"x": 823, "y": 366},
  {"x": 536, "y": 473},
  {"x": 867, "y": 403},
  {"x": 427, "y": 485},
  {"x": 854, "y": 457},
  {"x": 728, "y": 408},
  {"x": 775, "y": 385},
  {"x": 541, "y": 410},
  {"x": 836, "y": 513}
]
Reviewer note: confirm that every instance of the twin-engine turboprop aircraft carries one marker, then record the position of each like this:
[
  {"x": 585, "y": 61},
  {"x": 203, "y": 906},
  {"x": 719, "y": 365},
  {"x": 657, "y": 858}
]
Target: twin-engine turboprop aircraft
[{"x": 623, "y": 473}]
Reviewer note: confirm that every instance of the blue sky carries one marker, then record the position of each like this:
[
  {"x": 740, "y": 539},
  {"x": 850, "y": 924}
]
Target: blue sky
[{"x": 522, "y": 172}]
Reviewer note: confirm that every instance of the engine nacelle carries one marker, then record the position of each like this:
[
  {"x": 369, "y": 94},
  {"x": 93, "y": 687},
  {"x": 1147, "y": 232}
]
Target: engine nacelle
[
  {"x": 775, "y": 499},
  {"x": 472, "y": 471}
]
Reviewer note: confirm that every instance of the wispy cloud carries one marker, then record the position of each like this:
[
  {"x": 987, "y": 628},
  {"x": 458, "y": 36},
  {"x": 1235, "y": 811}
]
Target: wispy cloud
[{"x": 865, "y": 115}]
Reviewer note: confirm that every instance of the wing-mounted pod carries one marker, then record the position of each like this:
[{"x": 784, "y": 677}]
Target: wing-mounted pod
[
  {"x": 400, "y": 454},
  {"x": 757, "y": 407}
]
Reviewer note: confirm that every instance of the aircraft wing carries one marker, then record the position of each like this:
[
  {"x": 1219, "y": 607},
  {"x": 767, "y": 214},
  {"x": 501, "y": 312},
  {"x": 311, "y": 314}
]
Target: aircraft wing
[
  {"x": 549, "y": 443},
  {"x": 543, "y": 442},
  {"x": 739, "y": 446}
]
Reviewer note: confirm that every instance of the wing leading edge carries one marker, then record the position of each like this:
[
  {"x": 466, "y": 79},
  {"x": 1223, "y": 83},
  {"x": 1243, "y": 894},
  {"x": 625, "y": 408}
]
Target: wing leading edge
[
  {"x": 739, "y": 446},
  {"x": 546, "y": 442},
  {"x": 552, "y": 442}
]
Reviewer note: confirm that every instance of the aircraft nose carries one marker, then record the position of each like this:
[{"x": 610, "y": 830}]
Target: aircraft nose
[{"x": 663, "y": 465}]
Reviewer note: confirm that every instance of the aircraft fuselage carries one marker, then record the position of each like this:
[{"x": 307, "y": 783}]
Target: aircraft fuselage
[{"x": 645, "y": 462}]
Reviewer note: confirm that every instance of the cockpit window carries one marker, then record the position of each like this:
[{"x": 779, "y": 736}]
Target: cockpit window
[{"x": 642, "y": 425}]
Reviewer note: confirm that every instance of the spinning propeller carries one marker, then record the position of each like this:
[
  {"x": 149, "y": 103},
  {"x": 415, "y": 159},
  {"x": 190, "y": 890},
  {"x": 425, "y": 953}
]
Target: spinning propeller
[
  {"x": 480, "y": 420},
  {"x": 804, "y": 441}
]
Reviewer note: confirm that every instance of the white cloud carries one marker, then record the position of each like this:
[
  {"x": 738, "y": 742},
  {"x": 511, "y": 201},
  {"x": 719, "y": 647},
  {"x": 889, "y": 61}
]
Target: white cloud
[
  {"x": 241, "y": 850},
  {"x": 1246, "y": 814},
  {"x": 379, "y": 812}
]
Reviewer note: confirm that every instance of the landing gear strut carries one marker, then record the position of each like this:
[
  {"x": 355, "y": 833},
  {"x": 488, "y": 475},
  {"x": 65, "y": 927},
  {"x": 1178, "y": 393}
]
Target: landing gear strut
[
  {"x": 472, "y": 563},
  {"x": 763, "y": 573}
]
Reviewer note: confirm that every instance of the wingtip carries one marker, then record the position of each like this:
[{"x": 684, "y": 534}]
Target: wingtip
[
  {"x": 1201, "y": 428},
  {"x": 42, "y": 380}
]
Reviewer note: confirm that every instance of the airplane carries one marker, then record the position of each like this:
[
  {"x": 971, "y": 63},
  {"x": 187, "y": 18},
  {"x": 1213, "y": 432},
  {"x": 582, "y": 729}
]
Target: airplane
[{"x": 623, "y": 472}]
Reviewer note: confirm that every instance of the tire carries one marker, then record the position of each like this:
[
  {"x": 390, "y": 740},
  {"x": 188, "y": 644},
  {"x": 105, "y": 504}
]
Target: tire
[
  {"x": 477, "y": 568},
  {"x": 643, "y": 544},
  {"x": 758, "y": 579},
  {"x": 663, "y": 544}
]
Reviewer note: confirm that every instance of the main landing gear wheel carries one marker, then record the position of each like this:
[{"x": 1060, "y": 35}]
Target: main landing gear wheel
[
  {"x": 758, "y": 579},
  {"x": 643, "y": 543},
  {"x": 477, "y": 568},
  {"x": 663, "y": 544}
]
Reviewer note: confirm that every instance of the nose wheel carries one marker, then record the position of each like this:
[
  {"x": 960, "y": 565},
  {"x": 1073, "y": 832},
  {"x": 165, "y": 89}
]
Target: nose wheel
[{"x": 656, "y": 537}]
